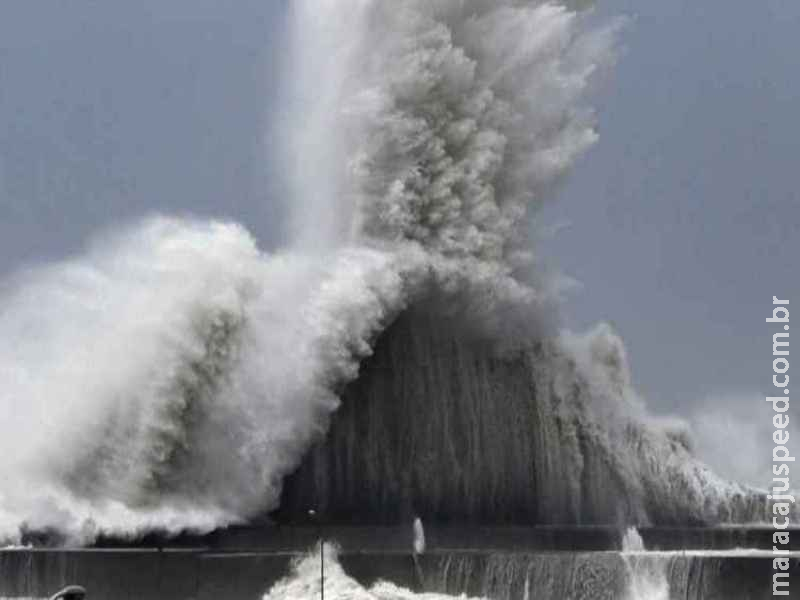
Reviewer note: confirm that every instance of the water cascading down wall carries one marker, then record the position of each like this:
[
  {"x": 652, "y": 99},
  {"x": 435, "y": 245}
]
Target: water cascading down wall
[{"x": 442, "y": 423}]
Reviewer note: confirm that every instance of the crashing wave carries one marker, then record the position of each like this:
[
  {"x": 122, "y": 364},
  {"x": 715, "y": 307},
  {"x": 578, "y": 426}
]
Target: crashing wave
[
  {"x": 550, "y": 432},
  {"x": 173, "y": 375}
]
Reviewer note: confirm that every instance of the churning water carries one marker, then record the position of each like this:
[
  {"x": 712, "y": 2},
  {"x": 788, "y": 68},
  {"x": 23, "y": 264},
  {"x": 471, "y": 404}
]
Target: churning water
[{"x": 175, "y": 376}]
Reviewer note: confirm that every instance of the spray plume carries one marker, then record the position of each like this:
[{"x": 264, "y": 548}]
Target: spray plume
[{"x": 172, "y": 375}]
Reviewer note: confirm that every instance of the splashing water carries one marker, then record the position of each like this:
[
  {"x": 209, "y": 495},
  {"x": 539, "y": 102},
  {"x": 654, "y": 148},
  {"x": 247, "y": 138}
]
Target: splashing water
[
  {"x": 305, "y": 581},
  {"x": 647, "y": 573},
  {"x": 174, "y": 346},
  {"x": 632, "y": 541},
  {"x": 172, "y": 375}
]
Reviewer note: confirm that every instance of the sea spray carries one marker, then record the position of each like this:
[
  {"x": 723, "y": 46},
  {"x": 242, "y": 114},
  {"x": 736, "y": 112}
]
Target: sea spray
[
  {"x": 456, "y": 119},
  {"x": 647, "y": 573},
  {"x": 171, "y": 376},
  {"x": 306, "y": 581}
]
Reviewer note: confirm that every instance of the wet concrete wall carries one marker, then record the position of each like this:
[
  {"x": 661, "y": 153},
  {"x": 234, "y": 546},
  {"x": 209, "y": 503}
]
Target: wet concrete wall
[{"x": 204, "y": 575}]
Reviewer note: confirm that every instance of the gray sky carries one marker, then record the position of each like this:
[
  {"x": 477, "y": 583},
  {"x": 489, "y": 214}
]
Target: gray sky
[
  {"x": 111, "y": 109},
  {"x": 684, "y": 217}
]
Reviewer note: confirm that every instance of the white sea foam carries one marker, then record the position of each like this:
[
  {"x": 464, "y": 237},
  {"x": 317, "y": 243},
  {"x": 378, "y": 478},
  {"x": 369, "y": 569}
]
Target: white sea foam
[{"x": 173, "y": 374}]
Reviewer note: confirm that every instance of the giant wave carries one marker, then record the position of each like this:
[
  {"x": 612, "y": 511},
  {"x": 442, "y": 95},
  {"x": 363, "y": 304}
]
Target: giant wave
[{"x": 173, "y": 375}]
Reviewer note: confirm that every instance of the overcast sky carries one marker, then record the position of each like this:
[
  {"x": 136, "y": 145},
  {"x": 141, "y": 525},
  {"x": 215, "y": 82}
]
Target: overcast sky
[
  {"x": 684, "y": 218},
  {"x": 111, "y": 109}
]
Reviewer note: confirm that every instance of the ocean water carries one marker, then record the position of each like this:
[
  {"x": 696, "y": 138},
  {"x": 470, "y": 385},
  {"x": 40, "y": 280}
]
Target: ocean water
[{"x": 401, "y": 358}]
